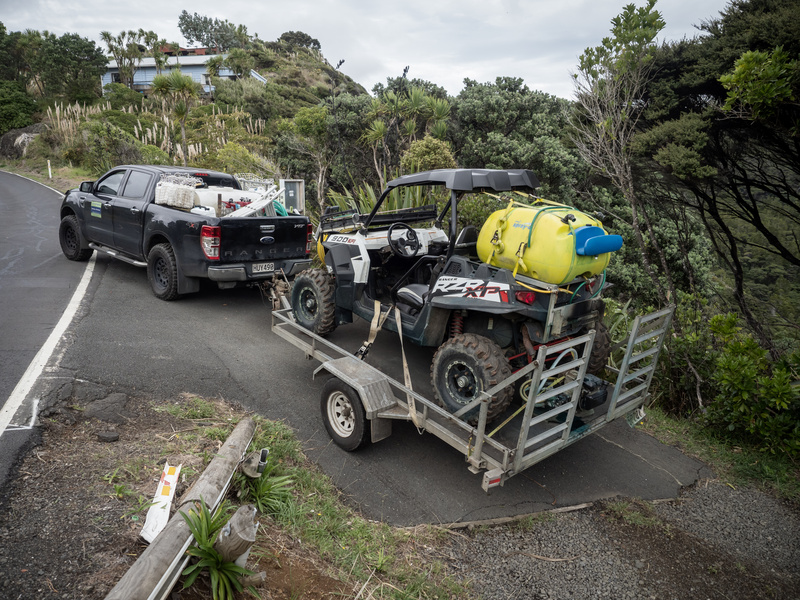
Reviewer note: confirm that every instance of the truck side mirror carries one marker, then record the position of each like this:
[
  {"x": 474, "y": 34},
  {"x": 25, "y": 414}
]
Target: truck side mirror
[{"x": 86, "y": 186}]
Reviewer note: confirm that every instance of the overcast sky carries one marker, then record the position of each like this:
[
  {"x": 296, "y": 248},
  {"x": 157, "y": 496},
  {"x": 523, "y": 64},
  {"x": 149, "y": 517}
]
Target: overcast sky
[{"x": 442, "y": 41}]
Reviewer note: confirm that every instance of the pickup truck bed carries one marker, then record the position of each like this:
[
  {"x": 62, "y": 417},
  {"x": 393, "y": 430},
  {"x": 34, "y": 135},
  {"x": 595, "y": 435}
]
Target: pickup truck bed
[{"x": 118, "y": 215}]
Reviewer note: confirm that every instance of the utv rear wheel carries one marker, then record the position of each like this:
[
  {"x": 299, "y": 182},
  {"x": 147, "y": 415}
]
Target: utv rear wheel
[
  {"x": 70, "y": 238},
  {"x": 343, "y": 415},
  {"x": 312, "y": 301},
  {"x": 464, "y": 366},
  {"x": 601, "y": 349}
]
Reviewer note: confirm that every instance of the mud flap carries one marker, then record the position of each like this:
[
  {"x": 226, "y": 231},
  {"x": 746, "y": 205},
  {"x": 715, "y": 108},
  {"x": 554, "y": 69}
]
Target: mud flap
[{"x": 380, "y": 429}]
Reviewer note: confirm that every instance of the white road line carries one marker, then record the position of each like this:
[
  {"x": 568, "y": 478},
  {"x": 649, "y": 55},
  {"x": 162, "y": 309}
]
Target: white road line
[{"x": 39, "y": 362}]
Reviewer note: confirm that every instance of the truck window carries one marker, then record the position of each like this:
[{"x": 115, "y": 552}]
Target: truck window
[
  {"x": 137, "y": 185},
  {"x": 110, "y": 185}
]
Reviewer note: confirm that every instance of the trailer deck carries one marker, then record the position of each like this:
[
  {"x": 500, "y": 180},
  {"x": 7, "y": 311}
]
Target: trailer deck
[{"x": 549, "y": 420}]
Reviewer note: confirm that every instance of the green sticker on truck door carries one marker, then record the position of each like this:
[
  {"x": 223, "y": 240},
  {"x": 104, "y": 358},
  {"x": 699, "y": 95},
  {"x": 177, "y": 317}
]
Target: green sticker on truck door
[{"x": 96, "y": 209}]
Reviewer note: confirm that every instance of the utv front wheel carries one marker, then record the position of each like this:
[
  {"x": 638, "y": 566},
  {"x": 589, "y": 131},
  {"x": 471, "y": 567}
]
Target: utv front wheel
[
  {"x": 464, "y": 366},
  {"x": 312, "y": 301}
]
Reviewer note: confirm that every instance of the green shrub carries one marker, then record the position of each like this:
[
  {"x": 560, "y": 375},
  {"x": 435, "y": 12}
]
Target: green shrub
[
  {"x": 102, "y": 146},
  {"x": 427, "y": 154},
  {"x": 121, "y": 96},
  {"x": 757, "y": 400},
  {"x": 152, "y": 155},
  {"x": 16, "y": 107}
]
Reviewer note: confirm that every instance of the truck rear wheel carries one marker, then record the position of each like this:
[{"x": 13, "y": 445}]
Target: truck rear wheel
[
  {"x": 69, "y": 236},
  {"x": 162, "y": 271},
  {"x": 464, "y": 366},
  {"x": 312, "y": 301},
  {"x": 343, "y": 415}
]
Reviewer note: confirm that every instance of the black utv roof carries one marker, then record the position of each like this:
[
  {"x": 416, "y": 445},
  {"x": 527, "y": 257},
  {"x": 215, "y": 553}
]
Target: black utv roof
[{"x": 469, "y": 180}]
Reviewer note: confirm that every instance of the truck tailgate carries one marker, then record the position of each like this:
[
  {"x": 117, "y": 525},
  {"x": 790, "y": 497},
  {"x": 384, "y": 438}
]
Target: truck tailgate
[{"x": 249, "y": 239}]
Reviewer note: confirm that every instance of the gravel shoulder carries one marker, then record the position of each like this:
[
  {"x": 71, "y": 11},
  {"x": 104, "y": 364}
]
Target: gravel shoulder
[
  {"x": 65, "y": 534},
  {"x": 712, "y": 542}
]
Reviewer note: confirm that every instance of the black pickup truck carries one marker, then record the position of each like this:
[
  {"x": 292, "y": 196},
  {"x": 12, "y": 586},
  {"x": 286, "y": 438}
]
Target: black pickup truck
[{"x": 118, "y": 215}]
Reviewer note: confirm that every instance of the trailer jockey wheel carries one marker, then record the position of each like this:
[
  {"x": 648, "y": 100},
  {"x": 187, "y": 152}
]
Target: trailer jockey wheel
[
  {"x": 405, "y": 247},
  {"x": 344, "y": 415}
]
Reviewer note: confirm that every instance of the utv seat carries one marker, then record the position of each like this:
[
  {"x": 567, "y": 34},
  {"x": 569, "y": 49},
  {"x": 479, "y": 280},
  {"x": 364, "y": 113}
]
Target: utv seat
[
  {"x": 411, "y": 297},
  {"x": 467, "y": 242}
]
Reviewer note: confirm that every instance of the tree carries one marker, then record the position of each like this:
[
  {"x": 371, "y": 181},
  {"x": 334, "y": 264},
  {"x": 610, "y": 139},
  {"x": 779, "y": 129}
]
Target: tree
[
  {"x": 69, "y": 66},
  {"x": 299, "y": 39},
  {"x": 395, "y": 121},
  {"x": 609, "y": 89},
  {"x": 212, "y": 33},
  {"x": 505, "y": 125},
  {"x": 723, "y": 132},
  {"x": 127, "y": 51},
  {"x": 240, "y": 62},
  {"x": 308, "y": 134},
  {"x": 154, "y": 46},
  {"x": 179, "y": 91}
]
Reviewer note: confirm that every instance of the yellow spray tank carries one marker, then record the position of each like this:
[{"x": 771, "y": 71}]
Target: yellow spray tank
[{"x": 550, "y": 242}]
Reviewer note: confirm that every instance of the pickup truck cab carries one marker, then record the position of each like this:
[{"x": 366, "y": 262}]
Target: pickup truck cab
[{"x": 118, "y": 215}]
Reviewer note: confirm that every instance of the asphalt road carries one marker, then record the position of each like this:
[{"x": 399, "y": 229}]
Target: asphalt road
[
  {"x": 36, "y": 285},
  {"x": 219, "y": 343}
]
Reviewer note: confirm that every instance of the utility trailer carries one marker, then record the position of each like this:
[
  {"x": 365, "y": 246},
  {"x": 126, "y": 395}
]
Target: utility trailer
[{"x": 360, "y": 402}]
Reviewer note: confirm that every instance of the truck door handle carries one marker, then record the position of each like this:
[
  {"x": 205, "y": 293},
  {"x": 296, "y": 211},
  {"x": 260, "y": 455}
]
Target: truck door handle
[{"x": 135, "y": 210}]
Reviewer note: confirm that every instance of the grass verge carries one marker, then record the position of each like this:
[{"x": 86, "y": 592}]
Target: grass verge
[{"x": 738, "y": 466}]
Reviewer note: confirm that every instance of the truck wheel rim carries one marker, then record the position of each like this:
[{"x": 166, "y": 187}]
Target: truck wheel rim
[
  {"x": 70, "y": 239},
  {"x": 340, "y": 414},
  {"x": 461, "y": 382},
  {"x": 161, "y": 273}
]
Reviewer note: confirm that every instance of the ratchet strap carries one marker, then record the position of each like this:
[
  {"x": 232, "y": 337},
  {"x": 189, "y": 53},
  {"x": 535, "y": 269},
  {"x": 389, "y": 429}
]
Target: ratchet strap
[
  {"x": 412, "y": 405},
  {"x": 378, "y": 320}
]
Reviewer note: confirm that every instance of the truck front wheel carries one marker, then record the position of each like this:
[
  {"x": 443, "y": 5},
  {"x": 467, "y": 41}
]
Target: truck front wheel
[
  {"x": 162, "y": 271},
  {"x": 70, "y": 238},
  {"x": 312, "y": 301},
  {"x": 343, "y": 415},
  {"x": 466, "y": 365}
]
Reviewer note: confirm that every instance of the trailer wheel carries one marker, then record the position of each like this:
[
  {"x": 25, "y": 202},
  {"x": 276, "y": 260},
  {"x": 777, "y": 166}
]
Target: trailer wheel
[
  {"x": 312, "y": 301},
  {"x": 601, "y": 349},
  {"x": 465, "y": 365},
  {"x": 343, "y": 415},
  {"x": 162, "y": 271},
  {"x": 70, "y": 238}
]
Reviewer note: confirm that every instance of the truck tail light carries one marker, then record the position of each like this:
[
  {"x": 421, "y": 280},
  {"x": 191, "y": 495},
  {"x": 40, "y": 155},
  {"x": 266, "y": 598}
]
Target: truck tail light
[
  {"x": 209, "y": 241},
  {"x": 309, "y": 239},
  {"x": 525, "y": 297}
]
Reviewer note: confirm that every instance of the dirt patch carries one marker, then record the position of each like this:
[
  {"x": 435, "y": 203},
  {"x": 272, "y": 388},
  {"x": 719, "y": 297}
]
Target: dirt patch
[{"x": 71, "y": 517}]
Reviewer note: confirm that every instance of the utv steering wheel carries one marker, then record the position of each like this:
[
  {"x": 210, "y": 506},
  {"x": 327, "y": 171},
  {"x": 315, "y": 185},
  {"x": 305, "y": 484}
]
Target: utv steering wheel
[{"x": 405, "y": 247}]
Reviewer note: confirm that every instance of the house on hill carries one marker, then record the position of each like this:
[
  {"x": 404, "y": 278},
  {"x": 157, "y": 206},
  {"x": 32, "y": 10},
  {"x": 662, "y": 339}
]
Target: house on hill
[{"x": 193, "y": 65}]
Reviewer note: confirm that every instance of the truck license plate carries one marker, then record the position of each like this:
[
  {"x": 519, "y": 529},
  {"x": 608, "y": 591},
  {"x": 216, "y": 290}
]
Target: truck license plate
[{"x": 263, "y": 267}]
